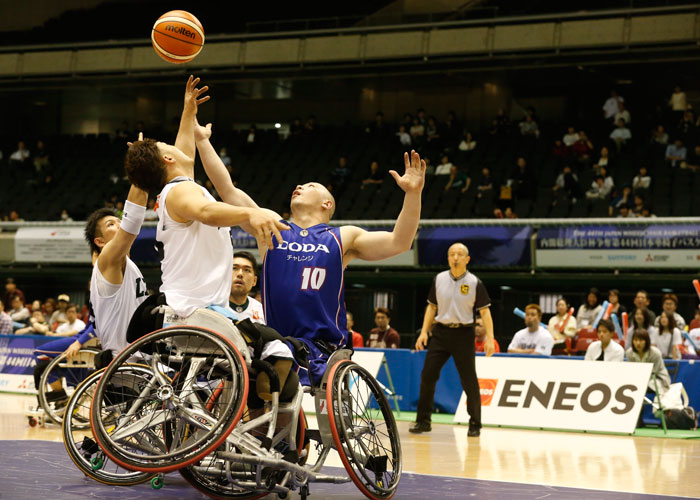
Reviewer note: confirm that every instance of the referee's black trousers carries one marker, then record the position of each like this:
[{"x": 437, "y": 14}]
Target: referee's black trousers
[{"x": 458, "y": 343}]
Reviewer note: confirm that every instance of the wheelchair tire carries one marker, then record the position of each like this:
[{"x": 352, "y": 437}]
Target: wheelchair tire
[
  {"x": 365, "y": 437},
  {"x": 80, "y": 444},
  {"x": 172, "y": 422},
  {"x": 71, "y": 373}
]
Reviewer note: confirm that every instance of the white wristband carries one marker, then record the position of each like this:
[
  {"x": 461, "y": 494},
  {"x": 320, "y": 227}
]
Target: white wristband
[{"x": 133, "y": 217}]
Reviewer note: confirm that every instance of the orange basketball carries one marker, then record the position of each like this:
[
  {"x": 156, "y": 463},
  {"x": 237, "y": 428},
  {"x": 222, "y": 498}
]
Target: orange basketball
[{"x": 177, "y": 36}]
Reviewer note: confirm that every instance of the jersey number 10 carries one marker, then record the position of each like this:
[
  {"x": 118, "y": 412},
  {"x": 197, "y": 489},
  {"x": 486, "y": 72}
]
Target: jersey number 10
[{"x": 314, "y": 277}]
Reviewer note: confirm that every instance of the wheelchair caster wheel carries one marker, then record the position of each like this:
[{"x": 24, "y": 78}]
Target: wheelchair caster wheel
[
  {"x": 282, "y": 496},
  {"x": 304, "y": 492},
  {"x": 32, "y": 422},
  {"x": 96, "y": 463},
  {"x": 157, "y": 483}
]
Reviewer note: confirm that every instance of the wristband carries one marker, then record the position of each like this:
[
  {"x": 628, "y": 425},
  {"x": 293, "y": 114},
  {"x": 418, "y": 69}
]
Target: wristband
[{"x": 133, "y": 217}]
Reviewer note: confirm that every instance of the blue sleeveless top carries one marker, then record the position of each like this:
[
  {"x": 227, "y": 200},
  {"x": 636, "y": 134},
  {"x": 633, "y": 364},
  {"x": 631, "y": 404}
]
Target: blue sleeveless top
[{"x": 302, "y": 285}]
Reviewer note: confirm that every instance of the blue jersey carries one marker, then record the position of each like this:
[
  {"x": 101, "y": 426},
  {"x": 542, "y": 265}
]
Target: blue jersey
[{"x": 302, "y": 285}]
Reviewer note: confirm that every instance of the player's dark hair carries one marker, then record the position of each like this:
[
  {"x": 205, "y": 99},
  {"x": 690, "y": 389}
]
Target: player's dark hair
[
  {"x": 144, "y": 166},
  {"x": 247, "y": 255},
  {"x": 92, "y": 228}
]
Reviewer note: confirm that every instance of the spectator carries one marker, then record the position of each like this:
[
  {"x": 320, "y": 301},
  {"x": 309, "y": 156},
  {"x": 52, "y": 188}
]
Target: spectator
[
  {"x": 570, "y": 138},
  {"x": 296, "y": 128},
  {"x": 641, "y": 351},
  {"x": 620, "y": 135},
  {"x": 560, "y": 150},
  {"x": 452, "y": 130},
  {"x": 567, "y": 186},
  {"x": 404, "y": 137},
  {"x": 65, "y": 216},
  {"x": 523, "y": 181},
  {"x": 310, "y": 126},
  {"x": 432, "y": 134},
  {"x": 502, "y": 122},
  {"x": 5, "y": 321},
  {"x": 642, "y": 180},
  {"x": 659, "y": 135},
  {"x": 225, "y": 158},
  {"x": 583, "y": 148},
  {"x": 123, "y": 131},
  {"x": 458, "y": 180},
  {"x": 529, "y": 127},
  {"x": 20, "y": 156},
  {"x": 429, "y": 168},
  {"x": 508, "y": 213},
  {"x": 599, "y": 189},
  {"x": 383, "y": 336},
  {"x": 15, "y": 217},
  {"x": 60, "y": 316},
  {"x": 605, "y": 349},
  {"x": 695, "y": 322},
  {"x": 19, "y": 313},
  {"x": 639, "y": 206},
  {"x": 357, "y": 340},
  {"x": 623, "y": 114},
  {"x": 668, "y": 337},
  {"x": 375, "y": 176},
  {"x": 339, "y": 175},
  {"x": 678, "y": 102},
  {"x": 72, "y": 326},
  {"x": 604, "y": 160},
  {"x": 534, "y": 338},
  {"x": 37, "y": 325},
  {"x": 49, "y": 309},
  {"x": 378, "y": 126},
  {"x": 486, "y": 184},
  {"x": 417, "y": 132},
  {"x": 641, "y": 320},
  {"x": 669, "y": 305},
  {"x": 468, "y": 143},
  {"x": 10, "y": 291},
  {"x": 641, "y": 301},
  {"x": 561, "y": 325},
  {"x": 480, "y": 336},
  {"x": 588, "y": 311},
  {"x": 686, "y": 127},
  {"x": 614, "y": 299},
  {"x": 693, "y": 159},
  {"x": 150, "y": 213},
  {"x": 625, "y": 212},
  {"x": 41, "y": 157},
  {"x": 612, "y": 105},
  {"x": 420, "y": 114},
  {"x": 646, "y": 212},
  {"x": 623, "y": 200},
  {"x": 444, "y": 167},
  {"x": 675, "y": 153}
]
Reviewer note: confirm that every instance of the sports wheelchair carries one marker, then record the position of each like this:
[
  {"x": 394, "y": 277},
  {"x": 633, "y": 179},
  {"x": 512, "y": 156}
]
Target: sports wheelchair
[{"x": 190, "y": 415}]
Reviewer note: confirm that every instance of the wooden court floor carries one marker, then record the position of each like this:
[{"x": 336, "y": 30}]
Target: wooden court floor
[{"x": 591, "y": 461}]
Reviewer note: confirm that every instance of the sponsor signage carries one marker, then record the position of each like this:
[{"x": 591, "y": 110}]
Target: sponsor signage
[
  {"x": 654, "y": 246},
  {"x": 51, "y": 244},
  {"x": 559, "y": 393},
  {"x": 17, "y": 362}
]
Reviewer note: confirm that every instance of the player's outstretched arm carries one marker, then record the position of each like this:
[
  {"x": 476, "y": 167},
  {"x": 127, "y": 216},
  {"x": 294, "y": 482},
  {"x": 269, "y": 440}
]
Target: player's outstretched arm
[
  {"x": 185, "y": 135},
  {"x": 377, "y": 245},
  {"x": 113, "y": 255}
]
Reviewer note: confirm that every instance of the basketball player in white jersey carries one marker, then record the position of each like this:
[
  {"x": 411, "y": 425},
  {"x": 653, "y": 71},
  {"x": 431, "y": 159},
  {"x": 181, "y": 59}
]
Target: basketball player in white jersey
[
  {"x": 244, "y": 279},
  {"x": 193, "y": 228}
]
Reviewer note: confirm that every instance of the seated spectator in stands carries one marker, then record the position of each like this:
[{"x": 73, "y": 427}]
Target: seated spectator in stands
[
  {"x": 570, "y": 137},
  {"x": 502, "y": 122},
  {"x": 429, "y": 168},
  {"x": 599, "y": 190},
  {"x": 659, "y": 135},
  {"x": 646, "y": 212},
  {"x": 639, "y": 205},
  {"x": 404, "y": 137},
  {"x": 641, "y": 320},
  {"x": 357, "y": 340},
  {"x": 667, "y": 337},
  {"x": 486, "y": 184},
  {"x": 560, "y": 150},
  {"x": 612, "y": 105},
  {"x": 20, "y": 156},
  {"x": 65, "y": 216},
  {"x": 59, "y": 316},
  {"x": 150, "y": 213},
  {"x": 37, "y": 325},
  {"x": 375, "y": 176},
  {"x": 695, "y": 322},
  {"x": 522, "y": 181},
  {"x": 583, "y": 148},
  {"x": 6, "y": 324},
  {"x": 529, "y": 127},
  {"x": 417, "y": 132},
  {"x": 378, "y": 126},
  {"x": 467, "y": 143},
  {"x": 588, "y": 311},
  {"x": 480, "y": 336},
  {"x": 622, "y": 114},
  {"x": 41, "y": 157},
  {"x": 72, "y": 326},
  {"x": 604, "y": 160},
  {"x": 296, "y": 128},
  {"x": 686, "y": 127},
  {"x": 225, "y": 158},
  {"x": 444, "y": 167},
  {"x": 614, "y": 299},
  {"x": 339, "y": 175},
  {"x": 567, "y": 186},
  {"x": 642, "y": 180},
  {"x": 641, "y": 351},
  {"x": 561, "y": 325},
  {"x": 10, "y": 291},
  {"x": 420, "y": 114},
  {"x": 625, "y": 212},
  {"x": 534, "y": 338},
  {"x": 688, "y": 347},
  {"x": 605, "y": 349},
  {"x": 623, "y": 200},
  {"x": 458, "y": 180},
  {"x": 49, "y": 308},
  {"x": 19, "y": 313},
  {"x": 621, "y": 134},
  {"x": 508, "y": 213},
  {"x": 641, "y": 301},
  {"x": 670, "y": 304},
  {"x": 693, "y": 159},
  {"x": 15, "y": 217},
  {"x": 678, "y": 102},
  {"x": 383, "y": 336},
  {"x": 432, "y": 134},
  {"x": 452, "y": 130},
  {"x": 676, "y": 153}
]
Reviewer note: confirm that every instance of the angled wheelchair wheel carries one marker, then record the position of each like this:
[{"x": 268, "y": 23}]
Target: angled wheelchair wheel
[
  {"x": 61, "y": 378},
  {"x": 174, "y": 420},
  {"x": 79, "y": 441},
  {"x": 364, "y": 430}
]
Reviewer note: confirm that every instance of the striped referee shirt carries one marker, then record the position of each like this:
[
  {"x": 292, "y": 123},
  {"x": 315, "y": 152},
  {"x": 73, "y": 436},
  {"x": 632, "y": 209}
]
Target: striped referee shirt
[{"x": 457, "y": 298}]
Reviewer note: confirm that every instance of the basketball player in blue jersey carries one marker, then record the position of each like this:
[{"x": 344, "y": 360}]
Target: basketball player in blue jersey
[{"x": 302, "y": 278}]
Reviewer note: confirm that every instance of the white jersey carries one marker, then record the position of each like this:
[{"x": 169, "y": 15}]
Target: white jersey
[
  {"x": 195, "y": 259},
  {"x": 113, "y": 305},
  {"x": 252, "y": 309}
]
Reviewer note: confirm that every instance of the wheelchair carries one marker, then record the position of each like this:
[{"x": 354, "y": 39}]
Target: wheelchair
[
  {"x": 66, "y": 373},
  {"x": 190, "y": 416}
]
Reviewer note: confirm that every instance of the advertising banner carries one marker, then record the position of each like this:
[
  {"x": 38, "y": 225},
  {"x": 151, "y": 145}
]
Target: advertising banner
[
  {"x": 51, "y": 244},
  {"x": 17, "y": 362},
  {"x": 559, "y": 393},
  {"x": 653, "y": 246},
  {"x": 489, "y": 246}
]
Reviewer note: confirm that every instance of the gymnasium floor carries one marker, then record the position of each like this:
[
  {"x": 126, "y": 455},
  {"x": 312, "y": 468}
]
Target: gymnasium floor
[{"x": 502, "y": 463}]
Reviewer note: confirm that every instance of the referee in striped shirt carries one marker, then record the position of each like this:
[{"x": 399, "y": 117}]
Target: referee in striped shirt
[{"x": 454, "y": 297}]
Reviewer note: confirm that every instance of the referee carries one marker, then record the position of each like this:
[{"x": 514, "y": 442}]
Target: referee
[{"x": 453, "y": 298}]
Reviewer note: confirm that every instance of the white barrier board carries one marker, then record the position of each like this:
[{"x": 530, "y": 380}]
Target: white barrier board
[{"x": 559, "y": 393}]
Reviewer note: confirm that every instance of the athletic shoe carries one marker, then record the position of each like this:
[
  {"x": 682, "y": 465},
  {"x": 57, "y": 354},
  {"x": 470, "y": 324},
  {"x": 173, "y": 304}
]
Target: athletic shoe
[{"x": 420, "y": 427}]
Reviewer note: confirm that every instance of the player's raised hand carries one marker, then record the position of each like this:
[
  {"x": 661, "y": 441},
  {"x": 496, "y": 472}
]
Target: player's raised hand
[
  {"x": 413, "y": 179},
  {"x": 264, "y": 225},
  {"x": 129, "y": 144},
  {"x": 201, "y": 133},
  {"x": 194, "y": 96}
]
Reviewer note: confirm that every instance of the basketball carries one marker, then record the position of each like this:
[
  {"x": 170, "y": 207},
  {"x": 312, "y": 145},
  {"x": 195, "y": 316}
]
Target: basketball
[{"x": 177, "y": 36}]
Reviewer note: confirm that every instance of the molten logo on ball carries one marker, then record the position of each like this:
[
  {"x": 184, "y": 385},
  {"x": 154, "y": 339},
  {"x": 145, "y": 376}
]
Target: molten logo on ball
[{"x": 180, "y": 30}]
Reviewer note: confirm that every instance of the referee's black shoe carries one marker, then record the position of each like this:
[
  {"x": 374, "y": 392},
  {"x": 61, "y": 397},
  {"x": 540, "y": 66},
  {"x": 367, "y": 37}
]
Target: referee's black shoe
[
  {"x": 474, "y": 431},
  {"x": 420, "y": 427}
]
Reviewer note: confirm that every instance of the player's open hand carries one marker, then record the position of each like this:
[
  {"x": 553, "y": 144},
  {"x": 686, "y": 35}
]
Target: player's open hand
[
  {"x": 413, "y": 179},
  {"x": 264, "y": 225},
  {"x": 422, "y": 341},
  {"x": 194, "y": 96},
  {"x": 73, "y": 349},
  {"x": 489, "y": 347},
  {"x": 201, "y": 133},
  {"x": 129, "y": 144}
]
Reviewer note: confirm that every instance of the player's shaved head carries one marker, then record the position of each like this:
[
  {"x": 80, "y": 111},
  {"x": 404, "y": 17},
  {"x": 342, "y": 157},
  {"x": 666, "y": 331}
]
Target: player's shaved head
[{"x": 327, "y": 194}]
